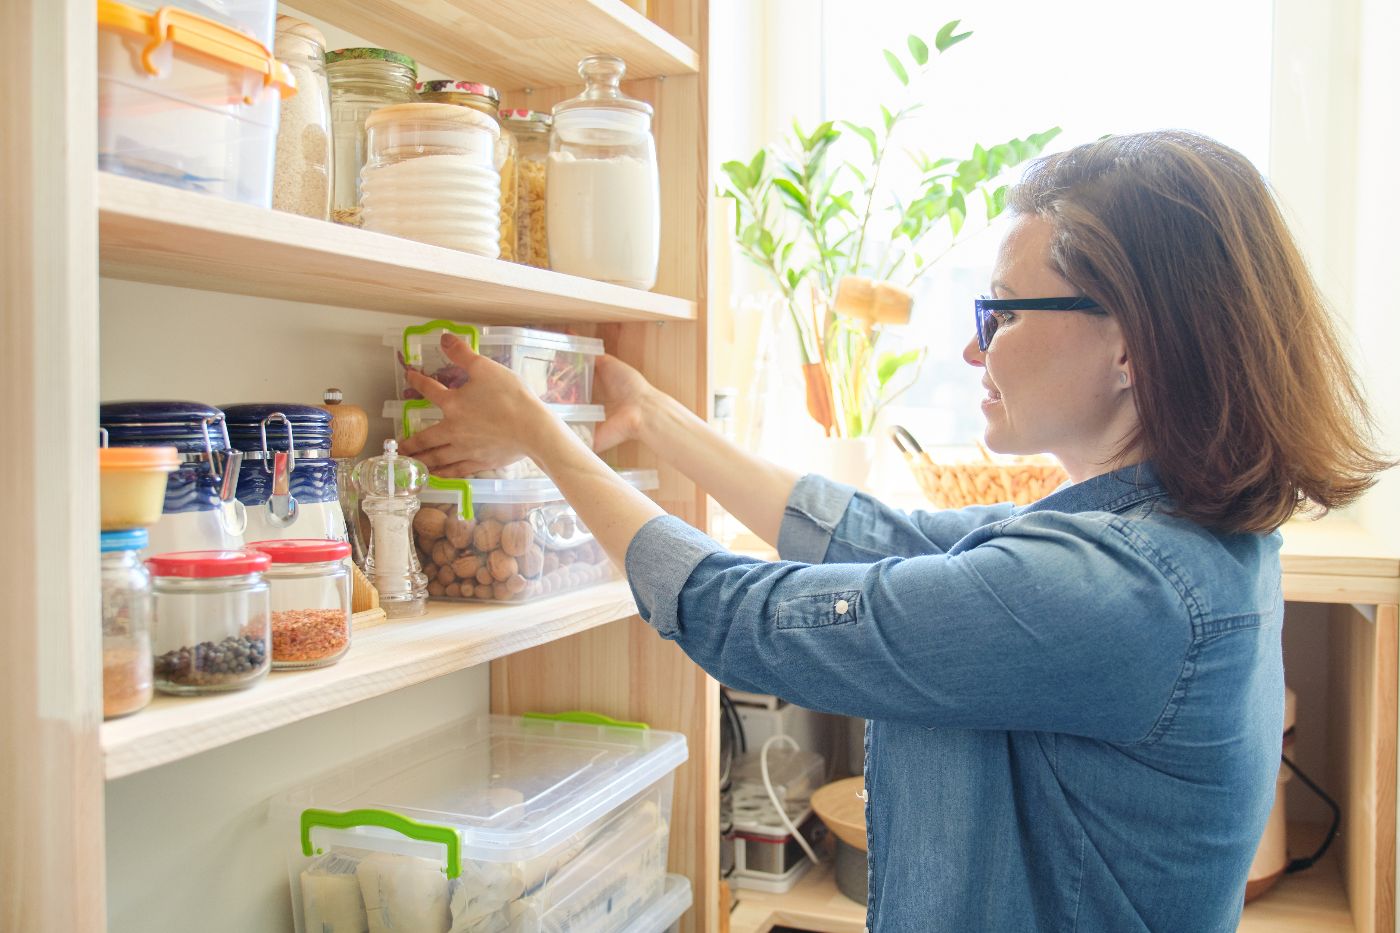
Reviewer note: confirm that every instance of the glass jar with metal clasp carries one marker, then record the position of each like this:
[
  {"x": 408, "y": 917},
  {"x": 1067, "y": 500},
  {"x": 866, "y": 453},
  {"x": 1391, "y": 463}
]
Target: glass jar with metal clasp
[
  {"x": 201, "y": 510},
  {"x": 288, "y": 484}
]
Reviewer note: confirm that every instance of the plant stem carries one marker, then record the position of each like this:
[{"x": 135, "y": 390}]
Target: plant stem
[{"x": 870, "y": 189}]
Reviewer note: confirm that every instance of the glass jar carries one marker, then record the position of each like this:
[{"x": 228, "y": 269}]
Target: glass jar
[
  {"x": 212, "y": 620},
  {"x": 485, "y": 99},
  {"x": 389, "y": 486},
  {"x": 288, "y": 484},
  {"x": 603, "y": 190},
  {"x": 361, "y": 81},
  {"x": 430, "y": 177},
  {"x": 126, "y": 624},
  {"x": 309, "y": 585},
  {"x": 302, "y": 178},
  {"x": 531, "y": 131}
]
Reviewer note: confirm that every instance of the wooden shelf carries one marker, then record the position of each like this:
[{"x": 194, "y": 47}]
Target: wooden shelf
[
  {"x": 522, "y": 44},
  {"x": 1337, "y": 561},
  {"x": 155, "y": 233},
  {"x": 387, "y": 657},
  {"x": 1312, "y": 902}
]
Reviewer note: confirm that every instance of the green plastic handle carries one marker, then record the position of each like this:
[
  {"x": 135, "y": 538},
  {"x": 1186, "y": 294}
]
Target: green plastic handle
[
  {"x": 423, "y": 832},
  {"x": 587, "y": 719},
  {"x": 465, "y": 508},
  {"x": 452, "y": 327}
]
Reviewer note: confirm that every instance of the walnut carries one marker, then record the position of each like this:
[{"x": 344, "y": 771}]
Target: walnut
[
  {"x": 503, "y": 566},
  {"x": 563, "y": 526},
  {"x": 516, "y": 585},
  {"x": 484, "y": 591},
  {"x": 443, "y": 553},
  {"x": 446, "y": 576},
  {"x": 459, "y": 532},
  {"x": 465, "y": 567},
  {"x": 501, "y": 591},
  {"x": 516, "y": 538},
  {"x": 453, "y": 591},
  {"x": 430, "y": 524},
  {"x": 483, "y": 575},
  {"x": 551, "y": 562},
  {"x": 488, "y": 535},
  {"x": 436, "y": 589},
  {"x": 532, "y": 562},
  {"x": 430, "y": 569}
]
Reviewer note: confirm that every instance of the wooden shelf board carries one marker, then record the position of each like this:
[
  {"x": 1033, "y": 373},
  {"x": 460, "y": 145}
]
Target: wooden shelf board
[
  {"x": 155, "y": 233},
  {"x": 522, "y": 44},
  {"x": 384, "y": 658},
  {"x": 1314, "y": 901},
  {"x": 1338, "y": 547}
]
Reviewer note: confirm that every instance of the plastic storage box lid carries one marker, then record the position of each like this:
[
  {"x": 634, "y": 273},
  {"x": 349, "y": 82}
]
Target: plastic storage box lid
[
  {"x": 548, "y": 339},
  {"x": 664, "y": 911},
  {"x": 509, "y": 788},
  {"x": 397, "y": 411},
  {"x": 530, "y": 491}
]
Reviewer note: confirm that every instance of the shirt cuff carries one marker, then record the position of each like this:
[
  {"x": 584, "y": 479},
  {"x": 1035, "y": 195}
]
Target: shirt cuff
[
  {"x": 660, "y": 560},
  {"x": 813, "y": 511}
]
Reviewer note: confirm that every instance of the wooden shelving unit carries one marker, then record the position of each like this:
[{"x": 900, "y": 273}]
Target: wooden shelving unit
[
  {"x": 154, "y": 233},
  {"x": 387, "y": 657}
]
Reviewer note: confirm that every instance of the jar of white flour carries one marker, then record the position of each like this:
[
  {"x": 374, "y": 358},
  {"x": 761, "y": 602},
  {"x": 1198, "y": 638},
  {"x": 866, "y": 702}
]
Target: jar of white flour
[{"x": 603, "y": 199}]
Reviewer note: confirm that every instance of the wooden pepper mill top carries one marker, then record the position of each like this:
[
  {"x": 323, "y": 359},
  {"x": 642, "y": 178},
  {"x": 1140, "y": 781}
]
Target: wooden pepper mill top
[{"x": 349, "y": 425}]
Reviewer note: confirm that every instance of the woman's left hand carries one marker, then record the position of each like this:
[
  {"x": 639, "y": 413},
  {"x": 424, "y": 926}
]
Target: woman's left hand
[{"x": 490, "y": 421}]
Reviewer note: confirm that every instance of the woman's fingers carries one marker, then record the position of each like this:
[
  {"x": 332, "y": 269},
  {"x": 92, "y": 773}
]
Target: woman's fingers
[
  {"x": 428, "y": 387},
  {"x": 459, "y": 351}
]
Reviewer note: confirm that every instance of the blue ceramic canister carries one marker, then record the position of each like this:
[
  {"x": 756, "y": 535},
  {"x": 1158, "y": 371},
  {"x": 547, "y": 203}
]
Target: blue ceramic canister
[
  {"x": 288, "y": 482},
  {"x": 201, "y": 511}
]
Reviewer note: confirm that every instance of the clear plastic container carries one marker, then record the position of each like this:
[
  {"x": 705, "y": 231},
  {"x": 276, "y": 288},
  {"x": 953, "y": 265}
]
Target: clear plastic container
[
  {"x": 664, "y": 914},
  {"x": 485, "y": 99},
  {"x": 362, "y": 80},
  {"x": 196, "y": 110},
  {"x": 558, "y": 368},
  {"x": 302, "y": 181},
  {"x": 603, "y": 188},
  {"x": 413, "y": 416},
  {"x": 508, "y": 540},
  {"x": 212, "y": 625},
  {"x": 309, "y": 588},
  {"x": 497, "y": 823},
  {"x": 430, "y": 176},
  {"x": 531, "y": 131},
  {"x": 255, "y": 17},
  {"x": 126, "y": 624}
]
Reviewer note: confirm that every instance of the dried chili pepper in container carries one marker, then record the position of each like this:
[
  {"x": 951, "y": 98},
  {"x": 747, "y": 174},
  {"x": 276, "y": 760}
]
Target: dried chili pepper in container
[{"x": 309, "y": 583}]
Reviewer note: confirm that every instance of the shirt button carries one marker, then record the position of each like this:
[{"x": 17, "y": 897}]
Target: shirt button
[{"x": 842, "y": 606}]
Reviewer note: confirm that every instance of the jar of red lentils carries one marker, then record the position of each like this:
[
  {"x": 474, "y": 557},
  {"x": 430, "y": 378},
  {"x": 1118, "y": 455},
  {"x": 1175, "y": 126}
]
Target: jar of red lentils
[{"x": 309, "y": 586}]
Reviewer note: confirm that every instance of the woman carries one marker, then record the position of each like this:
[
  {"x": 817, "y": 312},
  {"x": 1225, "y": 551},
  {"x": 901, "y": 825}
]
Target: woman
[{"x": 1076, "y": 705}]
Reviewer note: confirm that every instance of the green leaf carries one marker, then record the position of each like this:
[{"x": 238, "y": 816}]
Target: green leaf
[
  {"x": 793, "y": 277},
  {"x": 888, "y": 117},
  {"x": 996, "y": 201},
  {"x": 918, "y": 49},
  {"x": 794, "y": 193},
  {"x": 766, "y": 245},
  {"x": 891, "y": 363},
  {"x": 756, "y": 165},
  {"x": 738, "y": 174},
  {"x": 945, "y": 39},
  {"x": 897, "y": 67},
  {"x": 867, "y": 134},
  {"x": 957, "y": 212}
]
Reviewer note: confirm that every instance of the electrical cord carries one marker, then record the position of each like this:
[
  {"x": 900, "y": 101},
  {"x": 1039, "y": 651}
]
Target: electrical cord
[
  {"x": 773, "y": 795},
  {"x": 1302, "y": 864}
]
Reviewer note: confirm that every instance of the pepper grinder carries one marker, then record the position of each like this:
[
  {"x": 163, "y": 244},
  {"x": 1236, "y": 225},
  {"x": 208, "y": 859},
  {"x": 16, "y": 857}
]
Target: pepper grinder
[
  {"x": 349, "y": 430},
  {"x": 388, "y": 487}
]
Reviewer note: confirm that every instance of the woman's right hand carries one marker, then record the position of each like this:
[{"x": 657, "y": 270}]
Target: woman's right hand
[{"x": 623, "y": 392}]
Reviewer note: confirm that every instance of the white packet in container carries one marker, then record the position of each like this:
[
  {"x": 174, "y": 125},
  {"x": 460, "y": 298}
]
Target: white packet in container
[
  {"x": 403, "y": 894},
  {"x": 330, "y": 896}
]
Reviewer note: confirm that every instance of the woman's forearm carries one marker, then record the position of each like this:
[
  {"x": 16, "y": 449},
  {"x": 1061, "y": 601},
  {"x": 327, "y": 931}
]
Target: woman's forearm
[{"x": 750, "y": 488}]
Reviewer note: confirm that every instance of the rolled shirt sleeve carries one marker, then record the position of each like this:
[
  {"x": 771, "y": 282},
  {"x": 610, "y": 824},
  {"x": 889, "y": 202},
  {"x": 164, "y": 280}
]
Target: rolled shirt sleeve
[{"x": 1049, "y": 622}]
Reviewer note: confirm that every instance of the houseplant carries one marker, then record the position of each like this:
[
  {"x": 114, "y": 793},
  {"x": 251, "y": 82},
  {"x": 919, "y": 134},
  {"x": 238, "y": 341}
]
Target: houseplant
[{"x": 844, "y": 251}]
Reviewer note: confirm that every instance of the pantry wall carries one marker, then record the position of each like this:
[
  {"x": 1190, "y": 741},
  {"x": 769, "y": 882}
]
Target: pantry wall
[{"x": 190, "y": 839}]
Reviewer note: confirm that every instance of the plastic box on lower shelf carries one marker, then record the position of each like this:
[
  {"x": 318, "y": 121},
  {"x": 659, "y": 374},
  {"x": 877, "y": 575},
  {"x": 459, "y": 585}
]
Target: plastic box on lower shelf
[{"x": 496, "y": 823}]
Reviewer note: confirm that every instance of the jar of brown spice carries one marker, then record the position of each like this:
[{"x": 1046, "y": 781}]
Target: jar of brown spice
[
  {"x": 309, "y": 583},
  {"x": 126, "y": 624}
]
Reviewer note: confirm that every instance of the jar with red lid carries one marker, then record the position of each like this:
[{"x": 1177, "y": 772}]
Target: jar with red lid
[
  {"x": 212, "y": 620},
  {"x": 309, "y": 582}
]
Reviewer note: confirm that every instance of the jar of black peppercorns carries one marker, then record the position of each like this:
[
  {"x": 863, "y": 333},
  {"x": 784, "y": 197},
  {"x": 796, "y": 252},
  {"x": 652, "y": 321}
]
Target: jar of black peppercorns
[{"x": 212, "y": 620}]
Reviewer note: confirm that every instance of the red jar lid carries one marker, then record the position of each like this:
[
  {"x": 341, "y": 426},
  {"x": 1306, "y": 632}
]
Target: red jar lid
[
  {"x": 302, "y": 550},
  {"x": 204, "y": 564}
]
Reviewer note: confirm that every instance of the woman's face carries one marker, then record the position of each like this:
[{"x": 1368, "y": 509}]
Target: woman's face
[{"x": 1053, "y": 378}]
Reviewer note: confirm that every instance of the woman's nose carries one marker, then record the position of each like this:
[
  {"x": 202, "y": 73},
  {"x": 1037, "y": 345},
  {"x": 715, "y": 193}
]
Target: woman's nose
[{"x": 972, "y": 353}]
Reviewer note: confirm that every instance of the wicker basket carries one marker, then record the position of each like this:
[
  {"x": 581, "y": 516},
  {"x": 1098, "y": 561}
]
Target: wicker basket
[{"x": 952, "y": 482}]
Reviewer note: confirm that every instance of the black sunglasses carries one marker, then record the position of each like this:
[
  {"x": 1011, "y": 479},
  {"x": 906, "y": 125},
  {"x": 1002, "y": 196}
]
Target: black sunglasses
[{"x": 986, "y": 311}]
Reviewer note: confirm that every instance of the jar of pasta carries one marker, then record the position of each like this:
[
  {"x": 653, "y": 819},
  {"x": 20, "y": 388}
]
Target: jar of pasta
[
  {"x": 484, "y": 99},
  {"x": 361, "y": 81},
  {"x": 431, "y": 177},
  {"x": 531, "y": 131}
]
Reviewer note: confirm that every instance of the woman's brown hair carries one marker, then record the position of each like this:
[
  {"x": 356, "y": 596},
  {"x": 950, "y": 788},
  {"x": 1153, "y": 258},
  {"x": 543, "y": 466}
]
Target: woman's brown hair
[{"x": 1246, "y": 402}]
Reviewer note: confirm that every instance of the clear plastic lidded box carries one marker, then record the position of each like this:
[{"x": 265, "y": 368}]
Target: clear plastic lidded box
[
  {"x": 495, "y": 823},
  {"x": 197, "y": 109},
  {"x": 508, "y": 540},
  {"x": 414, "y": 415},
  {"x": 558, "y": 368}
]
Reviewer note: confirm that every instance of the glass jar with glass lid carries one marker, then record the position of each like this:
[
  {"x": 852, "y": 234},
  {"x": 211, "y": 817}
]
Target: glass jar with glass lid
[
  {"x": 362, "y": 80},
  {"x": 603, "y": 192},
  {"x": 531, "y": 131},
  {"x": 484, "y": 99},
  {"x": 302, "y": 177}
]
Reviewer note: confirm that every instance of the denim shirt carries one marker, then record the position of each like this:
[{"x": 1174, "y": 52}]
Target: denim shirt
[{"x": 1076, "y": 707}]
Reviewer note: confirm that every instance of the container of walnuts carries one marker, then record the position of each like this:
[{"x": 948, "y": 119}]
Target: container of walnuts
[{"x": 521, "y": 541}]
